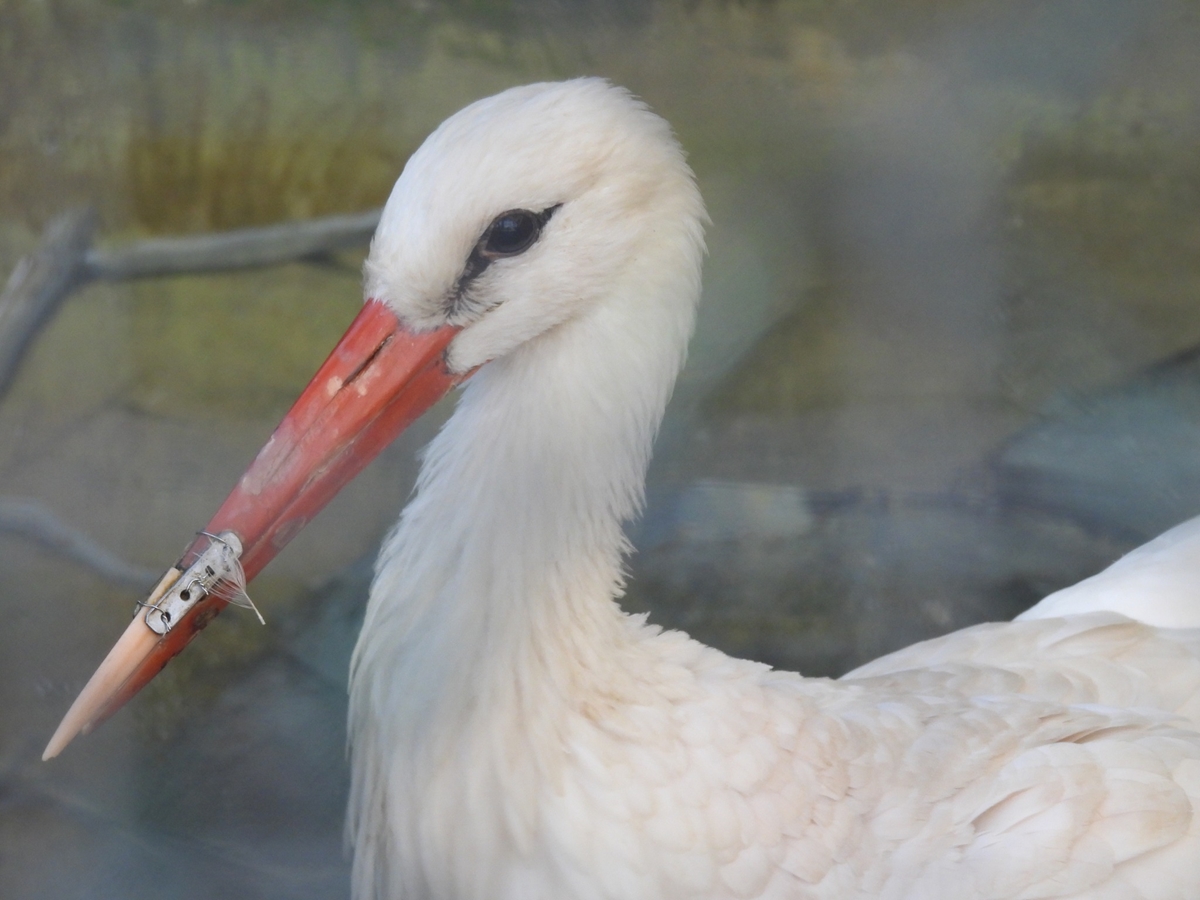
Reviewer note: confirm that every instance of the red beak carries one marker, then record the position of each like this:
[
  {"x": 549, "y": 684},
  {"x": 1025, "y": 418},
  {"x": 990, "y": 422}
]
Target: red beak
[{"x": 377, "y": 381}]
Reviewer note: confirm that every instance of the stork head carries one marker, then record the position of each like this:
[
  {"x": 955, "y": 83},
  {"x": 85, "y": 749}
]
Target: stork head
[
  {"x": 519, "y": 213},
  {"x": 524, "y": 208}
]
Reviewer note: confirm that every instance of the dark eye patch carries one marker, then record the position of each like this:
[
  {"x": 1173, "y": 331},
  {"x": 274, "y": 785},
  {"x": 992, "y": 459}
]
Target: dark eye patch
[{"x": 509, "y": 234}]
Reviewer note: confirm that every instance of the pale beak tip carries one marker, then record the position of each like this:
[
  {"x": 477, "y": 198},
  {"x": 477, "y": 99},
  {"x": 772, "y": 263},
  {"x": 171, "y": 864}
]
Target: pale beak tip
[
  {"x": 124, "y": 658},
  {"x": 62, "y": 736}
]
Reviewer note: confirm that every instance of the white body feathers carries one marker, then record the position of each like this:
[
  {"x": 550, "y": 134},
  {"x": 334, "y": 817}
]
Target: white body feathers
[{"x": 515, "y": 736}]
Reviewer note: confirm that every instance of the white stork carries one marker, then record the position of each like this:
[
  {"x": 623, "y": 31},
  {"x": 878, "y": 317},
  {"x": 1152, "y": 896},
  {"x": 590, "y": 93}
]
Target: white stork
[{"x": 515, "y": 736}]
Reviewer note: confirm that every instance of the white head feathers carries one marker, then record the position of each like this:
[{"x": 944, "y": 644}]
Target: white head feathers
[{"x": 605, "y": 173}]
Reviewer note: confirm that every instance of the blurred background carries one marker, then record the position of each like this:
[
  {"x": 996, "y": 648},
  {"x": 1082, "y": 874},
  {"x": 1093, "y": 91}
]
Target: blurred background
[{"x": 948, "y": 358}]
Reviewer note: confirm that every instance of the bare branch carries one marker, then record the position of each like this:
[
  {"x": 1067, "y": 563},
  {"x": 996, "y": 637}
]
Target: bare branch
[
  {"x": 33, "y": 521},
  {"x": 241, "y": 249},
  {"x": 65, "y": 260},
  {"x": 39, "y": 283}
]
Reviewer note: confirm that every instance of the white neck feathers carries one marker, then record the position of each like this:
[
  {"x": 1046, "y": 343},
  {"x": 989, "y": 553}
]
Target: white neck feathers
[{"x": 493, "y": 608}]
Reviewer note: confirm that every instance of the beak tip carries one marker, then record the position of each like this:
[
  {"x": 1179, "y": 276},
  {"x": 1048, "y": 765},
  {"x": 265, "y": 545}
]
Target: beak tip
[
  {"x": 90, "y": 706},
  {"x": 57, "y": 744}
]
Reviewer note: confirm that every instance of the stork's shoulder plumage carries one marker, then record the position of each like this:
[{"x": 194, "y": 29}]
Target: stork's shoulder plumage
[{"x": 963, "y": 767}]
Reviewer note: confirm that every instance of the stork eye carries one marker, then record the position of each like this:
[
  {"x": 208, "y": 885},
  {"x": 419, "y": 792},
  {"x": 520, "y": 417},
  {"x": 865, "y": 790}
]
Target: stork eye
[
  {"x": 510, "y": 234},
  {"x": 513, "y": 232}
]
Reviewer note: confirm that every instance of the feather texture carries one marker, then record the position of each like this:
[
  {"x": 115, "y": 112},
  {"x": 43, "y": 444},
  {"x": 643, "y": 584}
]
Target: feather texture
[{"x": 515, "y": 735}]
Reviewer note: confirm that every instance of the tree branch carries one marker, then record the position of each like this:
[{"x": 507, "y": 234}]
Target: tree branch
[
  {"x": 39, "y": 284},
  {"x": 241, "y": 249},
  {"x": 64, "y": 260},
  {"x": 36, "y": 523}
]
